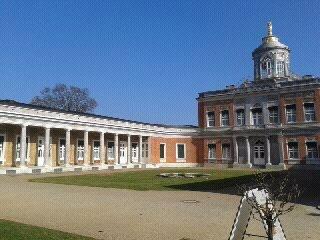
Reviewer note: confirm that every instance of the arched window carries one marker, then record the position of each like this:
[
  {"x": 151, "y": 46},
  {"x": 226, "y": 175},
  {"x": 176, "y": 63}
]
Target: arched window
[{"x": 266, "y": 67}]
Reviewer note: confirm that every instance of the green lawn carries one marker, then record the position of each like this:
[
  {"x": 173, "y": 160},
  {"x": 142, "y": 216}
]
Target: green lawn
[
  {"x": 223, "y": 181},
  {"x": 16, "y": 231},
  {"x": 149, "y": 179}
]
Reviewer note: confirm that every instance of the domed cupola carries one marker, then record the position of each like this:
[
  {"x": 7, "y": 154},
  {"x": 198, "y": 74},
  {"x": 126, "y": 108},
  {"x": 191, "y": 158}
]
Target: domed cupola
[{"x": 271, "y": 58}]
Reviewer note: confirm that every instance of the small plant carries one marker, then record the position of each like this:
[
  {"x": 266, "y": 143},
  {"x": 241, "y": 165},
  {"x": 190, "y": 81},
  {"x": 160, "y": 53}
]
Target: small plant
[{"x": 282, "y": 194}]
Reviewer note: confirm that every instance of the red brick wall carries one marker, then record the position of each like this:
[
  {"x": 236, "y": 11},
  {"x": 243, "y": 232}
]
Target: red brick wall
[
  {"x": 317, "y": 103},
  {"x": 194, "y": 153},
  {"x": 201, "y": 115}
]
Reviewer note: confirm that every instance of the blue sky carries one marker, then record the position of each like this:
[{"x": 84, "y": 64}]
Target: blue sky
[{"x": 146, "y": 60}]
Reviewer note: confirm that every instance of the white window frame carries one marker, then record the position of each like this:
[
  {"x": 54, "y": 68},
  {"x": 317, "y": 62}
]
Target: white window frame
[
  {"x": 293, "y": 152},
  {"x": 82, "y": 150},
  {"x": 62, "y": 157},
  {"x": 224, "y": 122},
  {"x": 3, "y": 150},
  {"x": 257, "y": 116},
  {"x": 164, "y": 159},
  {"x": 94, "y": 151},
  {"x": 27, "y": 146},
  {"x": 110, "y": 151},
  {"x": 214, "y": 156},
  {"x": 145, "y": 150},
  {"x": 267, "y": 72},
  {"x": 291, "y": 114},
  {"x": 134, "y": 159},
  {"x": 185, "y": 152},
  {"x": 310, "y": 113},
  {"x": 280, "y": 68},
  {"x": 211, "y": 120},
  {"x": 242, "y": 120},
  {"x": 316, "y": 151},
  {"x": 222, "y": 152},
  {"x": 273, "y": 115}
]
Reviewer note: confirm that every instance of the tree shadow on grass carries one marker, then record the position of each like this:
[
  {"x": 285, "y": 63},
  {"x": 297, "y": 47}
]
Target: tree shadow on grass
[{"x": 308, "y": 181}]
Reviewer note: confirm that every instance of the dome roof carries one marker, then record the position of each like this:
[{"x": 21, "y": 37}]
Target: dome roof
[{"x": 270, "y": 42}]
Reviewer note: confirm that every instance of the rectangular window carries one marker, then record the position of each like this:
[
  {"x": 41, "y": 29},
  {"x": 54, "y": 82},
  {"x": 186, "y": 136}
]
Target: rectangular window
[
  {"x": 110, "y": 151},
  {"x": 162, "y": 151},
  {"x": 80, "y": 150},
  {"x": 240, "y": 117},
  {"x": 210, "y": 119},
  {"x": 312, "y": 150},
  {"x": 257, "y": 116},
  {"x": 291, "y": 113},
  {"x": 226, "y": 151},
  {"x": 280, "y": 68},
  {"x": 225, "y": 118},
  {"x": 181, "y": 151},
  {"x": 273, "y": 115},
  {"x": 1, "y": 149},
  {"x": 145, "y": 150},
  {"x": 96, "y": 150},
  {"x": 293, "y": 151},
  {"x": 62, "y": 149},
  {"x": 211, "y": 151},
  {"x": 309, "y": 113}
]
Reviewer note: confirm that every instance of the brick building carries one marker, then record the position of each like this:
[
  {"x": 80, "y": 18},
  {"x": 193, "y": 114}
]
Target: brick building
[{"x": 272, "y": 121}]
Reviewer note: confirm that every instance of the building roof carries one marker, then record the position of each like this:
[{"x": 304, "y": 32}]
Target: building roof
[
  {"x": 32, "y": 106},
  {"x": 258, "y": 86}
]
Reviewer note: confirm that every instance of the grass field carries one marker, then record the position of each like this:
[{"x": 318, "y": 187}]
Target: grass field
[
  {"x": 16, "y": 231},
  {"x": 150, "y": 180},
  {"x": 223, "y": 181}
]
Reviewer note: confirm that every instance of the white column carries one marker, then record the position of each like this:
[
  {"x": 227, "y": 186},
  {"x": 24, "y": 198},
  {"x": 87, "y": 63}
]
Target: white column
[
  {"x": 102, "y": 149},
  {"x": 235, "y": 151},
  {"x": 23, "y": 145},
  {"x": 140, "y": 148},
  {"x": 47, "y": 159},
  {"x": 268, "y": 160},
  {"x": 129, "y": 149},
  {"x": 116, "y": 148},
  {"x": 248, "y": 152},
  {"x": 86, "y": 148},
  {"x": 68, "y": 144}
]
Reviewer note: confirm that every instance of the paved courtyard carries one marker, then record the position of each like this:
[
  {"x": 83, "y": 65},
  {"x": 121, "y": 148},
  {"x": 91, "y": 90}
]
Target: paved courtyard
[{"x": 127, "y": 214}]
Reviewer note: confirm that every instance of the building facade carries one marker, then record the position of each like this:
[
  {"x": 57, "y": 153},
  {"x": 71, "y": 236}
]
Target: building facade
[{"x": 272, "y": 121}]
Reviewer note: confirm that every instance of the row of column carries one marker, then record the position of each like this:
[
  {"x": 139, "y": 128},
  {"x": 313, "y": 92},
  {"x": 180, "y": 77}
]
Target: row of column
[
  {"x": 86, "y": 147},
  {"x": 248, "y": 150}
]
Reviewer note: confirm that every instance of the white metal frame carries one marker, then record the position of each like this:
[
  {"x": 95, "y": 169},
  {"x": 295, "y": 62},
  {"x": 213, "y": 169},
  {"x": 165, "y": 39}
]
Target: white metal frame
[
  {"x": 135, "y": 159},
  {"x": 214, "y": 119},
  {"x": 81, "y": 150},
  {"x": 27, "y": 146},
  {"x": 185, "y": 153},
  {"x": 164, "y": 159},
  {"x": 98, "y": 151},
  {"x": 63, "y": 150},
  {"x": 2, "y": 155},
  {"x": 113, "y": 151}
]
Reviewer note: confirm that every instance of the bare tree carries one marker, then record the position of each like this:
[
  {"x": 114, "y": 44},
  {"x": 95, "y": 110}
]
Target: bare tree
[
  {"x": 282, "y": 195},
  {"x": 66, "y": 98}
]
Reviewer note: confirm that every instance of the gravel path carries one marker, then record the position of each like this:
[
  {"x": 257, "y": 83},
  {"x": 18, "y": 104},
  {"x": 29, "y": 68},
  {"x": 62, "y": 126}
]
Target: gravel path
[{"x": 126, "y": 214}]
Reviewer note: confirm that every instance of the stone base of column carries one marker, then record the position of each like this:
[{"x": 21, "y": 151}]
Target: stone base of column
[
  {"x": 235, "y": 165},
  {"x": 244, "y": 165}
]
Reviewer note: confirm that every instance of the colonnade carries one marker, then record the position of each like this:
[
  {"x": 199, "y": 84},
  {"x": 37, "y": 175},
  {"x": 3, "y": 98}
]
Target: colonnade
[{"x": 49, "y": 162}]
